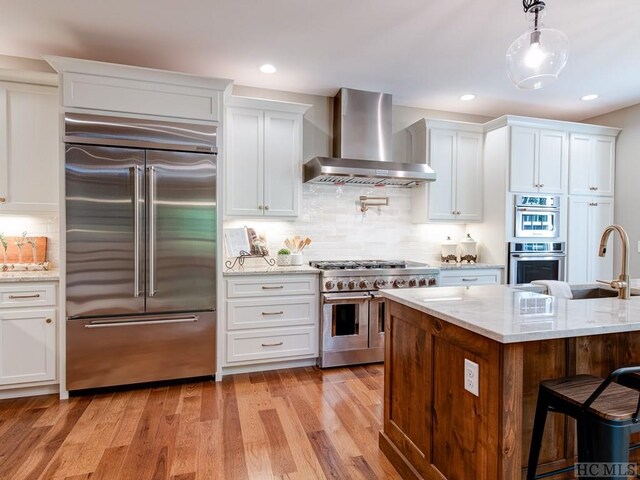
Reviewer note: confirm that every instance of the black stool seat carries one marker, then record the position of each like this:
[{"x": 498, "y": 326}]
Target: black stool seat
[{"x": 606, "y": 414}]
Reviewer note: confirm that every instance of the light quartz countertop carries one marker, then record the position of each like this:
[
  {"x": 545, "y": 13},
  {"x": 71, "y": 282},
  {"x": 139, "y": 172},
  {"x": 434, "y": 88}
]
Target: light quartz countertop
[
  {"x": 267, "y": 270},
  {"x": 509, "y": 315},
  {"x": 465, "y": 266},
  {"x": 30, "y": 276}
]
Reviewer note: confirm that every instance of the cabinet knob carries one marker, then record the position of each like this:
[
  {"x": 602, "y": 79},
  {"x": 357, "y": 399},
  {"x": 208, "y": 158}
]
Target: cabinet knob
[
  {"x": 266, "y": 207},
  {"x": 48, "y": 320},
  {"x": 541, "y": 185},
  {"x": 259, "y": 207},
  {"x": 453, "y": 213},
  {"x": 2, "y": 199},
  {"x": 595, "y": 188},
  {"x": 458, "y": 212}
]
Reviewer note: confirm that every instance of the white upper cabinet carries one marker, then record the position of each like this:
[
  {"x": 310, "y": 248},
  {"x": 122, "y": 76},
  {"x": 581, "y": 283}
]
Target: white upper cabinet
[
  {"x": 455, "y": 154},
  {"x": 29, "y": 147},
  {"x": 263, "y": 158},
  {"x": 538, "y": 160},
  {"x": 592, "y": 160}
]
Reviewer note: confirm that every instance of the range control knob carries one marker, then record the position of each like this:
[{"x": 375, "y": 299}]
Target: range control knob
[
  {"x": 432, "y": 282},
  {"x": 413, "y": 282},
  {"x": 422, "y": 282},
  {"x": 363, "y": 284},
  {"x": 352, "y": 285},
  {"x": 329, "y": 285},
  {"x": 380, "y": 283},
  {"x": 399, "y": 283},
  {"x": 340, "y": 285}
]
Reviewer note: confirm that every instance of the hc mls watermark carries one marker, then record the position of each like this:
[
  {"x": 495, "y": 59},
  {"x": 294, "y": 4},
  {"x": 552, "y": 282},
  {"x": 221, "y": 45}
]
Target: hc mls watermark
[{"x": 607, "y": 470}]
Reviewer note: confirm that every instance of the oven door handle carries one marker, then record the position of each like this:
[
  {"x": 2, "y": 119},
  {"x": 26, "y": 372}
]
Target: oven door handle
[
  {"x": 328, "y": 298},
  {"x": 545, "y": 256}
]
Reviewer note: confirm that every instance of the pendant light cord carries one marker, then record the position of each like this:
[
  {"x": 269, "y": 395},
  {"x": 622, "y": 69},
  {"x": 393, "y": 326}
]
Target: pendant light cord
[{"x": 536, "y": 6}]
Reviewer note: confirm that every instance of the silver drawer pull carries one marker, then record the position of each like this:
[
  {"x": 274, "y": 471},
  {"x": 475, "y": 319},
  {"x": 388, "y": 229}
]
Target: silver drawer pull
[
  {"x": 15, "y": 297},
  {"x": 279, "y": 287},
  {"x": 141, "y": 322},
  {"x": 273, "y": 313},
  {"x": 470, "y": 279},
  {"x": 272, "y": 344}
]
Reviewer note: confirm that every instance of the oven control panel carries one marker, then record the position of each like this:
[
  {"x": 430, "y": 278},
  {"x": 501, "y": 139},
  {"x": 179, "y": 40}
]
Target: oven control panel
[{"x": 354, "y": 284}]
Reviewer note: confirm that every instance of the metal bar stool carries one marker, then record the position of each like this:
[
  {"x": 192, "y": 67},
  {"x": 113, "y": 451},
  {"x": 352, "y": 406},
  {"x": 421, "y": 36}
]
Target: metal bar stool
[{"x": 606, "y": 414}]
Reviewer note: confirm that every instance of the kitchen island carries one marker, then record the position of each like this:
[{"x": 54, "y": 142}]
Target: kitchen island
[{"x": 434, "y": 428}]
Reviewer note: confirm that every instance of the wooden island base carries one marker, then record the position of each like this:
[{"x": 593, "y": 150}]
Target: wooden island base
[{"x": 435, "y": 429}]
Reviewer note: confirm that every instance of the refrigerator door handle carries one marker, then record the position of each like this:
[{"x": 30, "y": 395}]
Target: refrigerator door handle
[
  {"x": 136, "y": 229},
  {"x": 152, "y": 230}
]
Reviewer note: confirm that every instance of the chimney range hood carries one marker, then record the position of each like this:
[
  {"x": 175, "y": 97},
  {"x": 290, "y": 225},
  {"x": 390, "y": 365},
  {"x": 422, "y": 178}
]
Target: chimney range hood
[{"x": 362, "y": 146}]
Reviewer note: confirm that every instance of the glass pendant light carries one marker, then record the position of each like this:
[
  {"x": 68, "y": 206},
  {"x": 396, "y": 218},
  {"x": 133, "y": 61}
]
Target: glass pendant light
[{"x": 536, "y": 58}]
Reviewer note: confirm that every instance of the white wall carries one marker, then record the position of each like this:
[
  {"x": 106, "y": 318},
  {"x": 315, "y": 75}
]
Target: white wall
[
  {"x": 627, "y": 193},
  {"x": 332, "y": 218}
]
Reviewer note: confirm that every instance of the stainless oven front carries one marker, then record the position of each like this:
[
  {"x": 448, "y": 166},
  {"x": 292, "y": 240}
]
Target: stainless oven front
[
  {"x": 536, "y": 261},
  {"x": 345, "y": 321},
  {"x": 537, "y": 216}
]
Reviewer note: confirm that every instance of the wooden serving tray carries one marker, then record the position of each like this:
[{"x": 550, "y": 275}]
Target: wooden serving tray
[{"x": 13, "y": 253}]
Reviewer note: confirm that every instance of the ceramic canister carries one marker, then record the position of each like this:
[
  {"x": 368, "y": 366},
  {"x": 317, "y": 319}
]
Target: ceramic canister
[{"x": 449, "y": 251}]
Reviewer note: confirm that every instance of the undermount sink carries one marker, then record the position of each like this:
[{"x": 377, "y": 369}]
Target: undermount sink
[{"x": 593, "y": 292}]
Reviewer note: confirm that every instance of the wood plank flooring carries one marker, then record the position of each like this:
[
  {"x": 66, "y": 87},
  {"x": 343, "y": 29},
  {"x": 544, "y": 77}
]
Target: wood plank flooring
[{"x": 302, "y": 423}]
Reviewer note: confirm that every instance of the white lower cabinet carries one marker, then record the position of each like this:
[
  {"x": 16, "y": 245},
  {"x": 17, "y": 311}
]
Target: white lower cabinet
[
  {"x": 470, "y": 276},
  {"x": 271, "y": 318},
  {"x": 27, "y": 335},
  {"x": 588, "y": 217}
]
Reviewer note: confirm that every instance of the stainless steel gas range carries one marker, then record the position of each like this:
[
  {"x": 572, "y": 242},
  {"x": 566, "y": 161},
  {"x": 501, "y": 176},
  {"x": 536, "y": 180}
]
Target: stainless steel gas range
[{"x": 352, "y": 309}]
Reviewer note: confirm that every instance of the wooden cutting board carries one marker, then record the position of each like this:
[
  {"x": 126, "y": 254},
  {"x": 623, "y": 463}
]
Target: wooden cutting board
[{"x": 13, "y": 253}]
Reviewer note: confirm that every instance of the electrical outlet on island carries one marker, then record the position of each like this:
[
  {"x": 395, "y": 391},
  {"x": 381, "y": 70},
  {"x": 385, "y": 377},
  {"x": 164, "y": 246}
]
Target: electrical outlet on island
[{"x": 471, "y": 377}]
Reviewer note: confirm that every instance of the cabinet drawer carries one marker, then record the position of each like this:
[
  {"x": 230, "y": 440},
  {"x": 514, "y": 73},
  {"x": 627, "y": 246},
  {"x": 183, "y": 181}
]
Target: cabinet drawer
[
  {"x": 275, "y": 343},
  {"x": 271, "y": 285},
  {"x": 272, "y": 312},
  {"x": 32, "y": 295},
  {"x": 470, "y": 277}
]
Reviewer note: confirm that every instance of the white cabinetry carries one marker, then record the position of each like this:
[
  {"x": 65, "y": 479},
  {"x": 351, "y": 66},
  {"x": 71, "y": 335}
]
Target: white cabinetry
[
  {"x": 27, "y": 334},
  {"x": 271, "y": 318},
  {"x": 538, "y": 160},
  {"x": 455, "y": 154},
  {"x": 592, "y": 160},
  {"x": 263, "y": 158},
  {"x": 470, "y": 276},
  {"x": 29, "y": 147},
  {"x": 588, "y": 217}
]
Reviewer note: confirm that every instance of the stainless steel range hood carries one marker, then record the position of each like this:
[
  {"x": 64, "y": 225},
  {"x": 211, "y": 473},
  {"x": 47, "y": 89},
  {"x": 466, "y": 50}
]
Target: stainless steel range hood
[{"x": 363, "y": 146}]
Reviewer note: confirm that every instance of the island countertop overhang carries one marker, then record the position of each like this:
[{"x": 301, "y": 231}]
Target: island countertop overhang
[{"x": 510, "y": 315}]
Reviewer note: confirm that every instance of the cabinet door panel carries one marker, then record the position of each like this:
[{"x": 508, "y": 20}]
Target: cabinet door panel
[
  {"x": 552, "y": 163},
  {"x": 578, "y": 248},
  {"x": 244, "y": 162},
  {"x": 469, "y": 177},
  {"x": 442, "y": 156},
  {"x": 27, "y": 346},
  {"x": 29, "y": 158},
  {"x": 282, "y": 168},
  {"x": 580, "y": 164},
  {"x": 601, "y": 216},
  {"x": 524, "y": 152},
  {"x": 604, "y": 164}
]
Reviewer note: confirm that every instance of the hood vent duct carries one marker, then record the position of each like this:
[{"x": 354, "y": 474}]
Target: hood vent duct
[{"x": 363, "y": 146}]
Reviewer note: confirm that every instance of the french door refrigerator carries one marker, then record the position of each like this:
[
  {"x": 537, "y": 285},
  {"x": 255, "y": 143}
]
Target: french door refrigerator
[{"x": 140, "y": 250}]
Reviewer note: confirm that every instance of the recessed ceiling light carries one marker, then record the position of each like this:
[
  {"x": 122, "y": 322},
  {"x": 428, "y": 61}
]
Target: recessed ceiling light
[
  {"x": 591, "y": 96},
  {"x": 268, "y": 68},
  {"x": 467, "y": 97}
]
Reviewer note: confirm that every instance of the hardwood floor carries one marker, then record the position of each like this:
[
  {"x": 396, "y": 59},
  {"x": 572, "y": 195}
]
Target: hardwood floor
[{"x": 300, "y": 423}]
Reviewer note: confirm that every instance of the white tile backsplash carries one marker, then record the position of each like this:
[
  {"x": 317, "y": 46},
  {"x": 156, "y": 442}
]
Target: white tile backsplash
[
  {"x": 37, "y": 225},
  {"x": 331, "y": 217}
]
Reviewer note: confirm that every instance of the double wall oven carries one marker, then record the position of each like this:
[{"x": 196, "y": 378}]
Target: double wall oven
[
  {"x": 353, "y": 311},
  {"x": 537, "y": 253}
]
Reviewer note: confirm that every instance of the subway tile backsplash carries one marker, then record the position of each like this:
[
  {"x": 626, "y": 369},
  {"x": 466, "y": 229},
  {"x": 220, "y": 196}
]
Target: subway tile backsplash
[
  {"x": 331, "y": 217},
  {"x": 37, "y": 225}
]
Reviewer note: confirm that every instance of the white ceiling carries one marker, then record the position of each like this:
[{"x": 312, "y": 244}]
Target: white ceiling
[{"x": 426, "y": 53}]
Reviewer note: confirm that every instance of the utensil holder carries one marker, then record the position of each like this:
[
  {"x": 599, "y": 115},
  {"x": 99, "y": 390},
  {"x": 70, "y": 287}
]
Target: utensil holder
[{"x": 296, "y": 259}]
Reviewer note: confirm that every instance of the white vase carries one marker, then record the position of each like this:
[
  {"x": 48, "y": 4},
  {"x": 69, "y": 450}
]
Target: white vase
[
  {"x": 296, "y": 259},
  {"x": 283, "y": 260}
]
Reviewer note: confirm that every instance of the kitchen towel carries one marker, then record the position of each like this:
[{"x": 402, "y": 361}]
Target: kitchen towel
[{"x": 555, "y": 288}]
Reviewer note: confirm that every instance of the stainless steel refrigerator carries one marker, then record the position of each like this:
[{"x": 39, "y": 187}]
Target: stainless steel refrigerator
[{"x": 140, "y": 250}]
